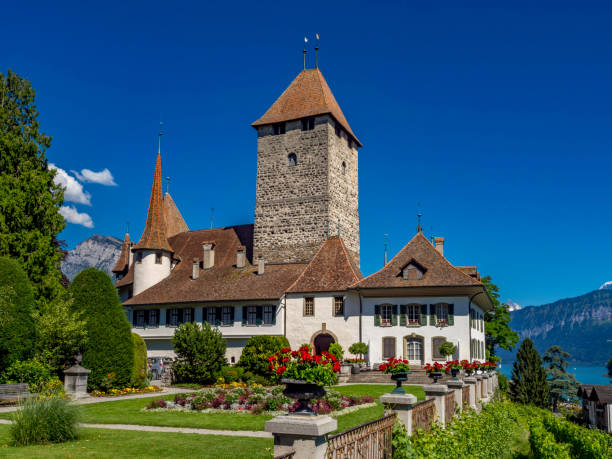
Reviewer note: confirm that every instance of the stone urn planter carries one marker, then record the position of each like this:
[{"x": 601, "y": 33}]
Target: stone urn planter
[
  {"x": 454, "y": 373},
  {"x": 304, "y": 392},
  {"x": 355, "y": 368},
  {"x": 399, "y": 378},
  {"x": 345, "y": 372},
  {"x": 435, "y": 375}
]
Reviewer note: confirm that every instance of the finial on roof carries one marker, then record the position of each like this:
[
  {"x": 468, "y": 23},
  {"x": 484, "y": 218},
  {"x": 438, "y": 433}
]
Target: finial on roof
[
  {"x": 419, "y": 228},
  {"x": 212, "y": 212},
  {"x": 386, "y": 236},
  {"x": 167, "y": 185},
  {"x": 305, "y": 41},
  {"x": 159, "y": 138},
  {"x": 317, "y": 53},
  {"x": 127, "y": 227}
]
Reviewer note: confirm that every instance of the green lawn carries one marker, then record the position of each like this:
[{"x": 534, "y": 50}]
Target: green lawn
[
  {"x": 101, "y": 443},
  {"x": 376, "y": 390}
]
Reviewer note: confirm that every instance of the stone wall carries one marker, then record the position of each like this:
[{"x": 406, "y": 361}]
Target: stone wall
[{"x": 298, "y": 207}]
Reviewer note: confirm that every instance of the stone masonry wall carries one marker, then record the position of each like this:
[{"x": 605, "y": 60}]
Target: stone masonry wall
[{"x": 298, "y": 207}]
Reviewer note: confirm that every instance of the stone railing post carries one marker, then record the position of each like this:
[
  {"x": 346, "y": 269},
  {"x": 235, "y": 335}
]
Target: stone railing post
[
  {"x": 457, "y": 388},
  {"x": 437, "y": 392},
  {"x": 478, "y": 388},
  {"x": 490, "y": 385},
  {"x": 471, "y": 382},
  {"x": 306, "y": 435},
  {"x": 484, "y": 391},
  {"x": 75, "y": 381},
  {"x": 400, "y": 404}
]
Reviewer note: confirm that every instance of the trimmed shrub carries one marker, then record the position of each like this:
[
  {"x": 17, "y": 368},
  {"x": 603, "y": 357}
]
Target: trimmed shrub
[
  {"x": 110, "y": 348},
  {"x": 200, "y": 352},
  {"x": 44, "y": 420},
  {"x": 17, "y": 304},
  {"x": 336, "y": 350},
  {"x": 359, "y": 349},
  {"x": 255, "y": 353},
  {"x": 32, "y": 372},
  {"x": 139, "y": 370}
]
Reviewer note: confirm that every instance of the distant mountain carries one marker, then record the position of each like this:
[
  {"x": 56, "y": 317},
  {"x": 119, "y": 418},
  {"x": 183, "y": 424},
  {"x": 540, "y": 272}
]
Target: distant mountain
[
  {"x": 606, "y": 286},
  {"x": 582, "y": 326},
  {"x": 97, "y": 251}
]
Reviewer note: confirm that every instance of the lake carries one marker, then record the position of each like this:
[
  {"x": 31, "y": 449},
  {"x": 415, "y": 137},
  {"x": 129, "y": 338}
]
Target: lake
[{"x": 584, "y": 375}]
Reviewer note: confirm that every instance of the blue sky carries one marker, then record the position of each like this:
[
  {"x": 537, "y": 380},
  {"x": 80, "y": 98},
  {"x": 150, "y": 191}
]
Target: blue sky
[{"x": 495, "y": 119}]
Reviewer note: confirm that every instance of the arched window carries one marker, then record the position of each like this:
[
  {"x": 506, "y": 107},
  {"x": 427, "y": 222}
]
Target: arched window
[
  {"x": 343, "y": 168},
  {"x": 292, "y": 159}
]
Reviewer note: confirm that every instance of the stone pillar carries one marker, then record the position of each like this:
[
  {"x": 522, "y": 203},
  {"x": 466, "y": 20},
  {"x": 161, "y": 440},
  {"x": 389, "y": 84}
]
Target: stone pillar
[
  {"x": 478, "y": 388},
  {"x": 400, "y": 404},
  {"x": 471, "y": 382},
  {"x": 75, "y": 381},
  {"x": 437, "y": 392},
  {"x": 306, "y": 435},
  {"x": 457, "y": 388},
  {"x": 490, "y": 389}
]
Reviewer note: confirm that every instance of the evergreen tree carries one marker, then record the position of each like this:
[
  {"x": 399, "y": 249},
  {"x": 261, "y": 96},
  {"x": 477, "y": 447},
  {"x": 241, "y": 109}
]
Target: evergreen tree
[
  {"x": 29, "y": 200},
  {"x": 110, "y": 348},
  {"x": 529, "y": 384},
  {"x": 200, "y": 353},
  {"x": 497, "y": 323},
  {"x": 17, "y": 331},
  {"x": 609, "y": 365},
  {"x": 563, "y": 385}
]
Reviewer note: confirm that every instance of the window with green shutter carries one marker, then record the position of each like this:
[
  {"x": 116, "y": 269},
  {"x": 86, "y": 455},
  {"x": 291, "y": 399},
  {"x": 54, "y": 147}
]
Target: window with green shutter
[
  {"x": 403, "y": 315},
  {"x": 451, "y": 314},
  {"x": 218, "y": 316},
  {"x": 432, "y": 314},
  {"x": 423, "y": 315},
  {"x": 259, "y": 319},
  {"x": 377, "y": 315},
  {"x": 244, "y": 315},
  {"x": 395, "y": 314}
]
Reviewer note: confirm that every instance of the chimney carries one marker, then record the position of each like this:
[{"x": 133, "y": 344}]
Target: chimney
[
  {"x": 195, "y": 270},
  {"x": 209, "y": 255},
  {"x": 439, "y": 242},
  {"x": 241, "y": 257},
  {"x": 260, "y": 266}
]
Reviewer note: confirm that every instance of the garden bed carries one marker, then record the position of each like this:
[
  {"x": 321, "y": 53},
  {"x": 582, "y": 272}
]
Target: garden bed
[
  {"x": 126, "y": 391},
  {"x": 257, "y": 400}
]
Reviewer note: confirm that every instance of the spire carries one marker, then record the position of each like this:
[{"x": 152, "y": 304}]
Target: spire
[
  {"x": 317, "y": 53},
  {"x": 154, "y": 235},
  {"x": 419, "y": 227},
  {"x": 124, "y": 256}
]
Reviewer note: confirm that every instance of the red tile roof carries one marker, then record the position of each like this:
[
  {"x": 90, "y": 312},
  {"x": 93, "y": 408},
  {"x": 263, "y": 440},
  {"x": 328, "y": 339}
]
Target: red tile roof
[
  {"x": 124, "y": 256},
  {"x": 174, "y": 220},
  {"x": 330, "y": 270},
  {"x": 307, "y": 95},
  {"x": 438, "y": 272},
  {"x": 154, "y": 235},
  {"x": 223, "y": 282}
]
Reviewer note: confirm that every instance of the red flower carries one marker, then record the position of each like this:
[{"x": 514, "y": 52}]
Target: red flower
[{"x": 285, "y": 350}]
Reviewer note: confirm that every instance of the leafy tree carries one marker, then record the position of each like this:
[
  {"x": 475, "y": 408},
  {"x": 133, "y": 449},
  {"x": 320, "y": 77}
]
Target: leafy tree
[
  {"x": 497, "y": 323},
  {"x": 17, "y": 331},
  {"x": 359, "y": 349},
  {"x": 257, "y": 349},
  {"x": 336, "y": 350},
  {"x": 563, "y": 385},
  {"x": 609, "y": 365},
  {"x": 447, "y": 348},
  {"x": 29, "y": 200},
  {"x": 139, "y": 370},
  {"x": 200, "y": 352},
  {"x": 529, "y": 384},
  {"x": 110, "y": 349}
]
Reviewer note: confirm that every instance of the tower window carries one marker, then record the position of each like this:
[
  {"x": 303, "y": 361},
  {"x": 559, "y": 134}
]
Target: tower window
[
  {"x": 308, "y": 306},
  {"x": 292, "y": 159},
  {"x": 339, "y": 306},
  {"x": 158, "y": 258},
  {"x": 343, "y": 168},
  {"x": 308, "y": 124},
  {"x": 279, "y": 128}
]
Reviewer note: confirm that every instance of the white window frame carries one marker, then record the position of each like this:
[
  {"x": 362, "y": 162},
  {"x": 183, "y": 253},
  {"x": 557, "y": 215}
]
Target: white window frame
[
  {"x": 441, "y": 314},
  {"x": 386, "y": 310}
]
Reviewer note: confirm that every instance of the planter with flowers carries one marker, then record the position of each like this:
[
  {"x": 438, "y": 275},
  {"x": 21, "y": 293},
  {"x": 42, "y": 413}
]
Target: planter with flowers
[
  {"x": 469, "y": 367},
  {"x": 453, "y": 367},
  {"x": 304, "y": 375},
  {"x": 490, "y": 367},
  {"x": 399, "y": 370},
  {"x": 434, "y": 370}
]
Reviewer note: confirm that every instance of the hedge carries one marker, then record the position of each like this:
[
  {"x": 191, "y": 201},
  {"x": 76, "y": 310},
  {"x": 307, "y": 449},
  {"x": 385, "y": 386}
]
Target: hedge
[{"x": 257, "y": 349}]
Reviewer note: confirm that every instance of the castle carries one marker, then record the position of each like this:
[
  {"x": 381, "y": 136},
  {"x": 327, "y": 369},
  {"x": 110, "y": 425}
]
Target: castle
[{"x": 294, "y": 271}]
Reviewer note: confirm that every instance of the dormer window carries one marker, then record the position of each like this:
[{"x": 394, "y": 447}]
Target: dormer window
[
  {"x": 279, "y": 128},
  {"x": 158, "y": 258},
  {"x": 292, "y": 159},
  {"x": 308, "y": 124},
  {"x": 413, "y": 271}
]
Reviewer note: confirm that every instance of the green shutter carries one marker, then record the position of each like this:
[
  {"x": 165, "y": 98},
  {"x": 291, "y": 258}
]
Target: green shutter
[
  {"x": 423, "y": 315},
  {"x": 377, "y": 315},
  {"x": 233, "y": 310},
  {"x": 403, "y": 315},
  {"x": 204, "y": 314},
  {"x": 218, "y": 316},
  {"x": 451, "y": 314},
  {"x": 394, "y": 316},
  {"x": 274, "y": 315},
  {"x": 432, "y": 314},
  {"x": 244, "y": 315},
  {"x": 259, "y": 315}
]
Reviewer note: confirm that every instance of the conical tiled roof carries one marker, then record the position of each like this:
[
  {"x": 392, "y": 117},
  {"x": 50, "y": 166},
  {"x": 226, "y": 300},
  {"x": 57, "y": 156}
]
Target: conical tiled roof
[
  {"x": 124, "y": 256},
  {"x": 307, "y": 95},
  {"x": 174, "y": 220},
  {"x": 154, "y": 235}
]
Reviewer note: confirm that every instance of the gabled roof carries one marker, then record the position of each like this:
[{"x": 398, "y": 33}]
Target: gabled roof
[
  {"x": 222, "y": 282},
  {"x": 601, "y": 393},
  {"x": 438, "y": 272},
  {"x": 124, "y": 256},
  {"x": 174, "y": 220},
  {"x": 307, "y": 95},
  {"x": 585, "y": 390},
  {"x": 330, "y": 270},
  {"x": 154, "y": 235}
]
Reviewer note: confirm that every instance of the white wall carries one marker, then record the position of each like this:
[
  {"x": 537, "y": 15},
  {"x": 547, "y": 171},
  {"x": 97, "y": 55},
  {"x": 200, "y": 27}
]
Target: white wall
[{"x": 147, "y": 272}]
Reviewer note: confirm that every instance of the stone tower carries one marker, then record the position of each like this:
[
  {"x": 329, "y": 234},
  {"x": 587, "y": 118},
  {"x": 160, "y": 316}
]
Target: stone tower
[{"x": 307, "y": 174}]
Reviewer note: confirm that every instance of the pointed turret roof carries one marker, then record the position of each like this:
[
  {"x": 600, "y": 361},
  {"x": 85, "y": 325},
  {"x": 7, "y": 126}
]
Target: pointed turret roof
[
  {"x": 154, "y": 236},
  {"x": 174, "y": 220},
  {"x": 307, "y": 95},
  {"x": 330, "y": 270},
  {"x": 124, "y": 256}
]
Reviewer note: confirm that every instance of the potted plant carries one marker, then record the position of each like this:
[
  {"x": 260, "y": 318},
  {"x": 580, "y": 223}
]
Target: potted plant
[
  {"x": 453, "y": 367},
  {"x": 399, "y": 370},
  {"x": 467, "y": 367},
  {"x": 447, "y": 348},
  {"x": 491, "y": 366},
  {"x": 434, "y": 370},
  {"x": 304, "y": 375},
  {"x": 359, "y": 349}
]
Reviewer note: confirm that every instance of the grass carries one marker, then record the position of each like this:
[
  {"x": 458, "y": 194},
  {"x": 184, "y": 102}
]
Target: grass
[
  {"x": 376, "y": 390},
  {"x": 101, "y": 443}
]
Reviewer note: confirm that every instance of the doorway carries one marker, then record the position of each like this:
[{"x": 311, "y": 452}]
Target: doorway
[
  {"x": 414, "y": 350},
  {"x": 322, "y": 342}
]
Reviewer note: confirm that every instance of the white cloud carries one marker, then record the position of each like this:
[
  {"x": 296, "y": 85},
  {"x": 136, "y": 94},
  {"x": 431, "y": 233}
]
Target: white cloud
[
  {"x": 514, "y": 306},
  {"x": 73, "y": 190},
  {"x": 74, "y": 216},
  {"x": 104, "y": 177}
]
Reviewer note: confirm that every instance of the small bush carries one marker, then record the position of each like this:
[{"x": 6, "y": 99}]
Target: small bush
[
  {"x": 358, "y": 349},
  {"x": 336, "y": 350},
  {"x": 255, "y": 353},
  {"x": 232, "y": 374},
  {"x": 139, "y": 370},
  {"x": 32, "y": 372},
  {"x": 44, "y": 420}
]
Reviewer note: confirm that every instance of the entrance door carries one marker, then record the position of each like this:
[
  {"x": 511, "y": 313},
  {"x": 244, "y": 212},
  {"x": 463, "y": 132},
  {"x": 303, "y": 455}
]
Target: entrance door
[
  {"x": 414, "y": 351},
  {"x": 322, "y": 342}
]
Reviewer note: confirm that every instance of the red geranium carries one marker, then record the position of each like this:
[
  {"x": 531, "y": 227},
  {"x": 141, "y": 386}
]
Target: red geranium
[
  {"x": 395, "y": 366},
  {"x": 302, "y": 365},
  {"x": 431, "y": 367}
]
